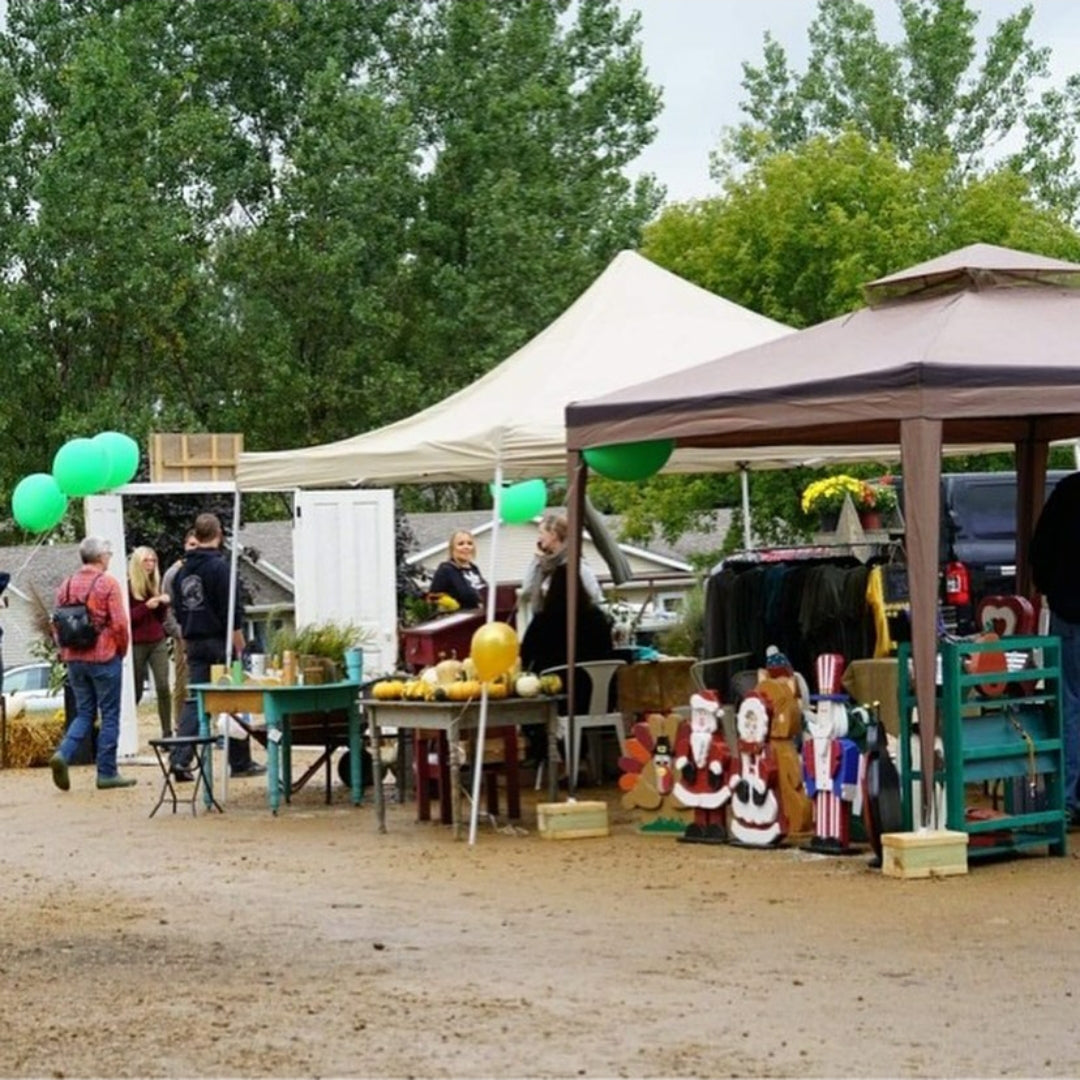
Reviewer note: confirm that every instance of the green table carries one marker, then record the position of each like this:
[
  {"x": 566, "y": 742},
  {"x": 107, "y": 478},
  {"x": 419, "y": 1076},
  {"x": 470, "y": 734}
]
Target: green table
[{"x": 277, "y": 704}]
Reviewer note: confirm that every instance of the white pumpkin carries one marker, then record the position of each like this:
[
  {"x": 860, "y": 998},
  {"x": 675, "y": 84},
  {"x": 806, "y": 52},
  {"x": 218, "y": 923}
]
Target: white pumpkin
[{"x": 527, "y": 685}]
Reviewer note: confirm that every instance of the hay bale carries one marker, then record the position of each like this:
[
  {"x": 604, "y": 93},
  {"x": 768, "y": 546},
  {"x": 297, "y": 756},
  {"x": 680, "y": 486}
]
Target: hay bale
[{"x": 32, "y": 738}]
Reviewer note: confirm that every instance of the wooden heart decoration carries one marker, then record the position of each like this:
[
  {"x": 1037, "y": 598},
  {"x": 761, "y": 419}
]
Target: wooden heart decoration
[{"x": 1006, "y": 616}]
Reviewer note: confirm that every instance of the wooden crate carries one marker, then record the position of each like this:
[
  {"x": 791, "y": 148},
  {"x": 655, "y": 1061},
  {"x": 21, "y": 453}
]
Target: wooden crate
[
  {"x": 196, "y": 456},
  {"x": 924, "y": 854},
  {"x": 572, "y": 820}
]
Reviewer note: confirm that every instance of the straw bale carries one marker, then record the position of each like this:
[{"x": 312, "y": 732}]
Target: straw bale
[{"x": 32, "y": 738}]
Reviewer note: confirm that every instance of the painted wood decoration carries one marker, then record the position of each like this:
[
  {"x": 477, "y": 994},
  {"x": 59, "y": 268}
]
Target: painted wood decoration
[
  {"x": 701, "y": 759},
  {"x": 786, "y": 724},
  {"x": 648, "y": 775},
  {"x": 756, "y": 816},
  {"x": 831, "y": 762},
  {"x": 882, "y": 808}
]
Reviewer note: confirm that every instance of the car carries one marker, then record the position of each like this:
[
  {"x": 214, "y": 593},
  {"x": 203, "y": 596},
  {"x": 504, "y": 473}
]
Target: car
[
  {"x": 978, "y": 540},
  {"x": 32, "y": 682}
]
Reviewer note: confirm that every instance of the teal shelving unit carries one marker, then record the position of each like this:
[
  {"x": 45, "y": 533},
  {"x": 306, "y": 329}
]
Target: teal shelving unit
[{"x": 1008, "y": 741}]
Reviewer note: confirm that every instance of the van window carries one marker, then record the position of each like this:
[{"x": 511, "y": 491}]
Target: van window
[{"x": 985, "y": 511}]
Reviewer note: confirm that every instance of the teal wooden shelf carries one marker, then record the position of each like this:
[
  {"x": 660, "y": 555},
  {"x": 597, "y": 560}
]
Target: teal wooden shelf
[{"x": 1011, "y": 739}]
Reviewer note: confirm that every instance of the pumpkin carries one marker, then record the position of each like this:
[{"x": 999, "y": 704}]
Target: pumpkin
[
  {"x": 447, "y": 671},
  {"x": 550, "y": 684},
  {"x": 527, "y": 685},
  {"x": 387, "y": 690},
  {"x": 498, "y": 689}
]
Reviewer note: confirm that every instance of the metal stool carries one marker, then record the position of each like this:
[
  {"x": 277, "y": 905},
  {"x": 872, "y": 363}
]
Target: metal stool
[{"x": 202, "y": 747}]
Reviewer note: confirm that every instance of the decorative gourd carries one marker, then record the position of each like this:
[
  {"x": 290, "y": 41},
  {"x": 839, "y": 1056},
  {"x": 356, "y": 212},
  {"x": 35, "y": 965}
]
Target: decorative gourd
[
  {"x": 551, "y": 684},
  {"x": 448, "y": 671},
  {"x": 387, "y": 690},
  {"x": 497, "y": 689},
  {"x": 527, "y": 685}
]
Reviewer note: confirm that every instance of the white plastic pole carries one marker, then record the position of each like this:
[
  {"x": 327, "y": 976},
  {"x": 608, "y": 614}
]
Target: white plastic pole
[
  {"x": 744, "y": 476},
  {"x": 478, "y": 764}
]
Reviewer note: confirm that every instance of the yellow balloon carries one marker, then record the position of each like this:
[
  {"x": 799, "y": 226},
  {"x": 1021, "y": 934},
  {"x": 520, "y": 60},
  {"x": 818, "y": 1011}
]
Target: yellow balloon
[{"x": 494, "y": 650}]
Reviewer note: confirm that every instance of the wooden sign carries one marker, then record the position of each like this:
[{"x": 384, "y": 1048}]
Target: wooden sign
[{"x": 194, "y": 456}]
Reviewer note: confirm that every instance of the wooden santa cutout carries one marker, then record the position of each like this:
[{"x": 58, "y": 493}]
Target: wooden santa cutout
[
  {"x": 831, "y": 763},
  {"x": 648, "y": 775},
  {"x": 701, "y": 757},
  {"x": 756, "y": 817}
]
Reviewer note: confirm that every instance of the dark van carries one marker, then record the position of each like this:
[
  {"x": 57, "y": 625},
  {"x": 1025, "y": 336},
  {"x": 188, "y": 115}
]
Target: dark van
[{"x": 978, "y": 540}]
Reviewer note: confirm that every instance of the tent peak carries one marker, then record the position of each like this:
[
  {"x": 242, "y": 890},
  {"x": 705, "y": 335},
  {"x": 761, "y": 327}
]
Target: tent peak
[{"x": 974, "y": 266}]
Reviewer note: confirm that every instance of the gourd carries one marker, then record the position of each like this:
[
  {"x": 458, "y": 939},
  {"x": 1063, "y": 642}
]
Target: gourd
[{"x": 527, "y": 685}]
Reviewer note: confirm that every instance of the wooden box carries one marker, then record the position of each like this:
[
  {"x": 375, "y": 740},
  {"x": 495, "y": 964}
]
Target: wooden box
[
  {"x": 572, "y": 820},
  {"x": 924, "y": 854}
]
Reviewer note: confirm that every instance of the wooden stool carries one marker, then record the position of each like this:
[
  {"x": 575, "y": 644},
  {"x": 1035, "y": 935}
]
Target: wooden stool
[{"x": 434, "y": 742}]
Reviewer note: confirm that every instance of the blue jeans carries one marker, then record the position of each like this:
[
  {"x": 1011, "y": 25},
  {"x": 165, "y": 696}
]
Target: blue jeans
[
  {"x": 97, "y": 689},
  {"x": 1070, "y": 704}
]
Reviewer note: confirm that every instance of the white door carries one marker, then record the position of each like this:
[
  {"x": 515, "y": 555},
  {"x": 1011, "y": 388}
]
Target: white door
[
  {"x": 344, "y": 567},
  {"x": 104, "y": 517}
]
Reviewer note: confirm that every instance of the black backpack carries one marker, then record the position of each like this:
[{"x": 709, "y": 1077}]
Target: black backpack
[{"x": 74, "y": 625}]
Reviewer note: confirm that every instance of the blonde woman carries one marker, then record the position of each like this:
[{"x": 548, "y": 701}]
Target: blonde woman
[
  {"x": 459, "y": 576},
  {"x": 149, "y": 605}
]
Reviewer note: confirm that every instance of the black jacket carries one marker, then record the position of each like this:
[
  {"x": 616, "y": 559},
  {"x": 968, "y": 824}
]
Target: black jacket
[
  {"x": 1055, "y": 550},
  {"x": 451, "y": 579},
  {"x": 200, "y": 596}
]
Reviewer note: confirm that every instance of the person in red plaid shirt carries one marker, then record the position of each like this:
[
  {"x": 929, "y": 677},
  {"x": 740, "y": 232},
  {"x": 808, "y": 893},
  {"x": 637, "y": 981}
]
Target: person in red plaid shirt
[{"x": 94, "y": 674}]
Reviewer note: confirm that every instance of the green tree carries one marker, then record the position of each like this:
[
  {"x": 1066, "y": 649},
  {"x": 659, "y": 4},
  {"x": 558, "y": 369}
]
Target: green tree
[
  {"x": 931, "y": 91},
  {"x": 298, "y": 219},
  {"x": 796, "y": 235}
]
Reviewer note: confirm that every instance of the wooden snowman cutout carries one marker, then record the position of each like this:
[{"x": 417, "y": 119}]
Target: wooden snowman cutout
[{"x": 756, "y": 817}]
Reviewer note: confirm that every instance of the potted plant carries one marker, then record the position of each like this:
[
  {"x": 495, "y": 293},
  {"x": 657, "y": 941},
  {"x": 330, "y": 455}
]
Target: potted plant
[
  {"x": 322, "y": 644},
  {"x": 877, "y": 501},
  {"x": 825, "y": 498}
]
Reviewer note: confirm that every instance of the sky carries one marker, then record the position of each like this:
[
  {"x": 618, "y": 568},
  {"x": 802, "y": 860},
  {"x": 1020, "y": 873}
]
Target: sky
[{"x": 694, "y": 50}]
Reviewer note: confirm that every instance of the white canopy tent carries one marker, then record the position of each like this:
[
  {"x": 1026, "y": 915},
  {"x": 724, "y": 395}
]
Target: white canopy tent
[{"x": 636, "y": 321}]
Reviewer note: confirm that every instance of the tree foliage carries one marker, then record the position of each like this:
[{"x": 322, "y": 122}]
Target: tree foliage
[
  {"x": 299, "y": 219},
  {"x": 876, "y": 157},
  {"x": 933, "y": 90}
]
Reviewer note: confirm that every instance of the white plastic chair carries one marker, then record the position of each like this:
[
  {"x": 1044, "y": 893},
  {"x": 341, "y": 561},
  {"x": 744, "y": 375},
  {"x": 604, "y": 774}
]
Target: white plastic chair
[{"x": 600, "y": 674}]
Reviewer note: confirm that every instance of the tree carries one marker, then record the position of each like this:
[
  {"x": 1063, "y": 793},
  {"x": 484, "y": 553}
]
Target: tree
[
  {"x": 797, "y": 234},
  {"x": 299, "y": 220},
  {"x": 931, "y": 91}
]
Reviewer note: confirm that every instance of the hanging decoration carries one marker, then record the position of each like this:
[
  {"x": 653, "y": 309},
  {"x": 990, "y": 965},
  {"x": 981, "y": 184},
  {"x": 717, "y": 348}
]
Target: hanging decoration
[
  {"x": 37, "y": 503},
  {"x": 521, "y": 502},
  {"x": 629, "y": 461}
]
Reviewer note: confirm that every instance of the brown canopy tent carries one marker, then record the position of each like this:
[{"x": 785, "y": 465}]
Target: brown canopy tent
[{"x": 978, "y": 346}]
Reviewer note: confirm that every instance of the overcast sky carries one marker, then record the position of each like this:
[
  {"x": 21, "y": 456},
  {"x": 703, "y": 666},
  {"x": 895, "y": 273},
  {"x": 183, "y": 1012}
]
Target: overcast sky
[{"x": 695, "y": 49}]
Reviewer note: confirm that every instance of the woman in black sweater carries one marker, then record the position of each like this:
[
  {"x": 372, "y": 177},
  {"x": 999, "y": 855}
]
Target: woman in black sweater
[{"x": 458, "y": 576}]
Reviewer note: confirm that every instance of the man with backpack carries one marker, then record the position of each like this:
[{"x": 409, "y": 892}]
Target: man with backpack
[
  {"x": 200, "y": 601},
  {"x": 92, "y": 645}
]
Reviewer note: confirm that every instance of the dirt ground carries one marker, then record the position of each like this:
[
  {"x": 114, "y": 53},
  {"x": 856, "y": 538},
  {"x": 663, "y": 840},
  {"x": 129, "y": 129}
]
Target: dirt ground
[{"x": 309, "y": 945}]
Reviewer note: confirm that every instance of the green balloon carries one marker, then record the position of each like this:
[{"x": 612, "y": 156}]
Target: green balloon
[
  {"x": 630, "y": 461},
  {"x": 521, "y": 502},
  {"x": 81, "y": 467},
  {"x": 37, "y": 503},
  {"x": 123, "y": 452}
]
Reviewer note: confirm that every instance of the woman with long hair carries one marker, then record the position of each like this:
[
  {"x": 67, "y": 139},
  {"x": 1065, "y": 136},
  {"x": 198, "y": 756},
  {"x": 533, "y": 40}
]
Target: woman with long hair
[{"x": 149, "y": 606}]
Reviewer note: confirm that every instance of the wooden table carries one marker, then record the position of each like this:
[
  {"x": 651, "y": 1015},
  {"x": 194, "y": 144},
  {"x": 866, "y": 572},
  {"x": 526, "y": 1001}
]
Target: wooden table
[
  {"x": 277, "y": 704},
  {"x": 454, "y": 717}
]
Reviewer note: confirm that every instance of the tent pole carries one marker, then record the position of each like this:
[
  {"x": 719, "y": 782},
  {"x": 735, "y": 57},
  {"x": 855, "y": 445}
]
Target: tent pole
[
  {"x": 234, "y": 573},
  {"x": 478, "y": 764},
  {"x": 576, "y": 472},
  {"x": 744, "y": 478}
]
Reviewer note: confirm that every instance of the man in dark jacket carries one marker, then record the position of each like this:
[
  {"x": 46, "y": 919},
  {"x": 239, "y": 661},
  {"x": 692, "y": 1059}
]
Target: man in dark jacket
[
  {"x": 200, "y": 602},
  {"x": 1055, "y": 566}
]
